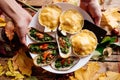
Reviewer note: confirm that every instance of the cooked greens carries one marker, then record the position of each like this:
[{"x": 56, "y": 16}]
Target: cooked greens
[
  {"x": 64, "y": 44},
  {"x": 40, "y": 47},
  {"x": 39, "y": 36}
]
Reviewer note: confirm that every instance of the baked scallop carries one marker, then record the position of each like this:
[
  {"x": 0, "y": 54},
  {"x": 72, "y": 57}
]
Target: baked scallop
[
  {"x": 71, "y": 21},
  {"x": 49, "y": 16},
  {"x": 83, "y": 43}
]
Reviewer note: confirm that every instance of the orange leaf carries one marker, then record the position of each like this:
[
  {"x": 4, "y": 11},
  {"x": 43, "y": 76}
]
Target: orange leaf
[
  {"x": 2, "y": 22},
  {"x": 9, "y": 30}
]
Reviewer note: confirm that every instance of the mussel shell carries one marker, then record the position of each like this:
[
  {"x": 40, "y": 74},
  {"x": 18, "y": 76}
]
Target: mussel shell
[
  {"x": 75, "y": 61},
  {"x": 62, "y": 54},
  {"x": 48, "y": 37},
  {"x": 44, "y": 62},
  {"x": 40, "y": 47}
]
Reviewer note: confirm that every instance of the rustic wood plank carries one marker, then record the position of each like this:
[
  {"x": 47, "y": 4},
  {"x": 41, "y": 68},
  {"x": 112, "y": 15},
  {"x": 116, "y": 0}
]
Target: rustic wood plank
[{"x": 37, "y": 2}]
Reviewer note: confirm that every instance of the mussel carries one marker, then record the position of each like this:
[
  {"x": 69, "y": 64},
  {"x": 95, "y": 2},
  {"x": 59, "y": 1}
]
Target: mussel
[
  {"x": 39, "y": 36},
  {"x": 64, "y": 45},
  {"x": 37, "y": 48},
  {"x": 63, "y": 64},
  {"x": 45, "y": 58}
]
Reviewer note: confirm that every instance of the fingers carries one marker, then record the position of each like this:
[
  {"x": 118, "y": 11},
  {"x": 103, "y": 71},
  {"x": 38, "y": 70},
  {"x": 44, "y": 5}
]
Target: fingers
[
  {"x": 97, "y": 20},
  {"x": 95, "y": 12}
]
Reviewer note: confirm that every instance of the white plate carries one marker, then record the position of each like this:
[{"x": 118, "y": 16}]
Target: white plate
[{"x": 35, "y": 23}]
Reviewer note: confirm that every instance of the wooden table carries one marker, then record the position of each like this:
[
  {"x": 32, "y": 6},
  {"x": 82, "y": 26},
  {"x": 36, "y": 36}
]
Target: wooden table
[
  {"x": 105, "y": 66},
  {"x": 112, "y": 66}
]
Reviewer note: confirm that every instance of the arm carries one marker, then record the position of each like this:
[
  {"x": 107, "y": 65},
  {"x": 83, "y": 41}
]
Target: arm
[
  {"x": 20, "y": 17},
  {"x": 93, "y": 8}
]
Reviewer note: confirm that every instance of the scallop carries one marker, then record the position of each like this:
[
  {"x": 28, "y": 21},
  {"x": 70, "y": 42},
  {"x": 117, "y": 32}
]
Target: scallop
[
  {"x": 39, "y": 36},
  {"x": 49, "y": 16},
  {"x": 71, "y": 21},
  {"x": 83, "y": 43},
  {"x": 64, "y": 64}
]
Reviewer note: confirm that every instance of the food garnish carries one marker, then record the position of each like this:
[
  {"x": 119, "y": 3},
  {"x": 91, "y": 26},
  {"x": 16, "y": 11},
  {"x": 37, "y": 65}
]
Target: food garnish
[{"x": 105, "y": 48}]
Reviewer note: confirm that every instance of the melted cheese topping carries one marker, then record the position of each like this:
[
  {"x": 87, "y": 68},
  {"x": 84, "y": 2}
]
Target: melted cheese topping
[
  {"x": 71, "y": 21},
  {"x": 84, "y": 42},
  {"x": 49, "y": 16}
]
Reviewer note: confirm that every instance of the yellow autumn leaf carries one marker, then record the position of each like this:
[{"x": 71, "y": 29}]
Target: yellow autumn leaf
[
  {"x": 2, "y": 22},
  {"x": 9, "y": 73},
  {"x": 10, "y": 66},
  {"x": 12, "y": 72},
  {"x": 23, "y": 62},
  {"x": 1, "y": 70},
  {"x": 91, "y": 72},
  {"x": 110, "y": 18},
  {"x": 109, "y": 75},
  {"x": 18, "y": 75},
  {"x": 87, "y": 71}
]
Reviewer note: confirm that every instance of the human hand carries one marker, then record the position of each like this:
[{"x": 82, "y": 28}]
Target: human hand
[
  {"x": 20, "y": 17},
  {"x": 93, "y": 8},
  {"x": 21, "y": 24}
]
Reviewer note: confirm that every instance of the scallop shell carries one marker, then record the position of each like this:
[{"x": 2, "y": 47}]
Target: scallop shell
[
  {"x": 63, "y": 68},
  {"x": 84, "y": 43},
  {"x": 49, "y": 16},
  {"x": 41, "y": 36},
  {"x": 71, "y": 21}
]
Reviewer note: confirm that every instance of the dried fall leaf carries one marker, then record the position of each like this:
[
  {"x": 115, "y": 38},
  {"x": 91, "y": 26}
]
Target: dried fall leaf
[
  {"x": 9, "y": 30},
  {"x": 109, "y": 75},
  {"x": 2, "y": 22},
  {"x": 72, "y": 78},
  {"x": 87, "y": 71},
  {"x": 116, "y": 15},
  {"x": 1, "y": 70},
  {"x": 10, "y": 66},
  {"x": 110, "y": 18},
  {"x": 91, "y": 72},
  {"x": 18, "y": 75},
  {"x": 23, "y": 62},
  {"x": 14, "y": 64},
  {"x": 113, "y": 75},
  {"x": 12, "y": 72}
]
